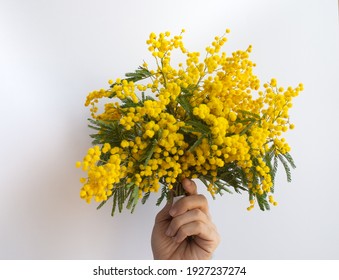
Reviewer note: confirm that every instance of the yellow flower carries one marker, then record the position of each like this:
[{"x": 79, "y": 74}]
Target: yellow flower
[{"x": 207, "y": 118}]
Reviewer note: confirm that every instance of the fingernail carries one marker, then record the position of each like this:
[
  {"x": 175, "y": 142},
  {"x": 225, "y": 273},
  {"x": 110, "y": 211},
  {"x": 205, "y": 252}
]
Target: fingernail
[{"x": 187, "y": 182}]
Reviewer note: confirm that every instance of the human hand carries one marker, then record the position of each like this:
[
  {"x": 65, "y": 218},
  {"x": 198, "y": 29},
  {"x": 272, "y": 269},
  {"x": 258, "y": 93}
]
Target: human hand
[{"x": 188, "y": 217}]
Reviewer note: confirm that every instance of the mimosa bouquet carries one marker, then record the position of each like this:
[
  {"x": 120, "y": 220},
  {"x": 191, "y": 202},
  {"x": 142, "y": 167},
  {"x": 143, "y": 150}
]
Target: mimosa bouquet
[{"x": 207, "y": 118}]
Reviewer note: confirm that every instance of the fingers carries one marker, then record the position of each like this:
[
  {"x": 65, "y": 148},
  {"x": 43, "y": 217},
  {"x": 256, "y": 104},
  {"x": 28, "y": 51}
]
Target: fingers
[
  {"x": 196, "y": 229},
  {"x": 191, "y": 216},
  {"x": 192, "y": 201},
  {"x": 188, "y": 203},
  {"x": 194, "y": 223},
  {"x": 195, "y": 215}
]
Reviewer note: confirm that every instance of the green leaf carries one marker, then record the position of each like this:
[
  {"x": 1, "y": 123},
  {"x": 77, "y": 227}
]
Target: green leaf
[
  {"x": 128, "y": 103},
  {"x": 255, "y": 175},
  {"x": 136, "y": 197},
  {"x": 286, "y": 167},
  {"x": 233, "y": 175},
  {"x": 108, "y": 132},
  {"x": 145, "y": 197},
  {"x": 182, "y": 100},
  {"x": 268, "y": 161},
  {"x": 196, "y": 143},
  {"x": 245, "y": 120},
  {"x": 256, "y": 116},
  {"x": 262, "y": 202},
  {"x": 148, "y": 152},
  {"x": 187, "y": 129},
  {"x": 164, "y": 192},
  {"x": 103, "y": 202},
  {"x": 115, "y": 198},
  {"x": 222, "y": 187},
  {"x": 204, "y": 181},
  {"x": 290, "y": 160},
  {"x": 130, "y": 195},
  {"x": 190, "y": 89},
  {"x": 140, "y": 74},
  {"x": 242, "y": 176},
  {"x": 133, "y": 198},
  {"x": 247, "y": 127},
  {"x": 274, "y": 171},
  {"x": 121, "y": 198},
  {"x": 198, "y": 126}
]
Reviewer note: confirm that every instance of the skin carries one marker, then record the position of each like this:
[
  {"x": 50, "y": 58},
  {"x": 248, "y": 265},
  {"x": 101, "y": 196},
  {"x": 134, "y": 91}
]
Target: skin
[{"x": 184, "y": 230}]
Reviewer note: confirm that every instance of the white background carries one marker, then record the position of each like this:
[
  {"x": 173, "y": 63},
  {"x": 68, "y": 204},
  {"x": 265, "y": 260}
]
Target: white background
[{"x": 52, "y": 53}]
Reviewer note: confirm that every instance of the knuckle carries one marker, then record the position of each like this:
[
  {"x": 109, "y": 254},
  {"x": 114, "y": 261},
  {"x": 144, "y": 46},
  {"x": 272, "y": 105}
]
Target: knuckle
[
  {"x": 181, "y": 233},
  {"x": 203, "y": 201},
  {"x": 174, "y": 224},
  {"x": 200, "y": 226},
  {"x": 202, "y": 198},
  {"x": 198, "y": 214}
]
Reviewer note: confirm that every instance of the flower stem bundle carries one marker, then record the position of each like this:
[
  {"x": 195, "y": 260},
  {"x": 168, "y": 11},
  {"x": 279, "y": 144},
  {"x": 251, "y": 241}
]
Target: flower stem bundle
[{"x": 207, "y": 118}]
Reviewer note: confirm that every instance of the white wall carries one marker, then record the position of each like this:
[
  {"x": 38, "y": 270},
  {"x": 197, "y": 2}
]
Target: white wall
[{"x": 52, "y": 53}]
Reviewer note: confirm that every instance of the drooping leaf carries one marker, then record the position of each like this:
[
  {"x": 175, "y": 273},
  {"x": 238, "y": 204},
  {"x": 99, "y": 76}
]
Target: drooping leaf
[
  {"x": 145, "y": 197},
  {"x": 290, "y": 160},
  {"x": 232, "y": 175},
  {"x": 133, "y": 198},
  {"x": 164, "y": 192},
  {"x": 286, "y": 167},
  {"x": 222, "y": 187},
  {"x": 121, "y": 198},
  {"x": 115, "y": 200},
  {"x": 103, "y": 202},
  {"x": 262, "y": 202}
]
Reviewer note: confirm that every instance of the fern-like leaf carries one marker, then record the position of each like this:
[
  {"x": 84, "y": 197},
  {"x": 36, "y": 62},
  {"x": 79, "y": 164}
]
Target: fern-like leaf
[
  {"x": 182, "y": 100},
  {"x": 289, "y": 159},
  {"x": 286, "y": 167},
  {"x": 164, "y": 192},
  {"x": 145, "y": 197},
  {"x": 114, "y": 206},
  {"x": 256, "y": 116},
  {"x": 196, "y": 143},
  {"x": 133, "y": 198},
  {"x": 262, "y": 202},
  {"x": 198, "y": 126},
  {"x": 140, "y": 74}
]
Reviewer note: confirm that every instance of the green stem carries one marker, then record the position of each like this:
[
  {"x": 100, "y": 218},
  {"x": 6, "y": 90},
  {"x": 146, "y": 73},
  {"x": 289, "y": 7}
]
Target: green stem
[{"x": 178, "y": 189}]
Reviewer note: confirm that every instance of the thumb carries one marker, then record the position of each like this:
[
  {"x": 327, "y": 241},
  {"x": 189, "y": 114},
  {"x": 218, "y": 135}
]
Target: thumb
[{"x": 189, "y": 186}]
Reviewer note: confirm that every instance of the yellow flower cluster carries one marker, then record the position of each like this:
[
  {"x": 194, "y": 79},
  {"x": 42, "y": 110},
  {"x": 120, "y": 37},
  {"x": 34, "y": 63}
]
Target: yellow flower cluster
[
  {"x": 101, "y": 179},
  {"x": 206, "y": 119}
]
